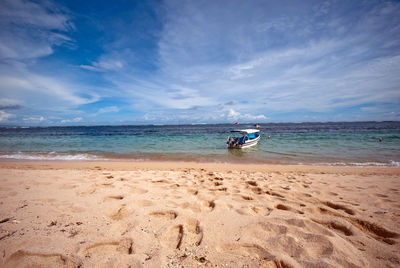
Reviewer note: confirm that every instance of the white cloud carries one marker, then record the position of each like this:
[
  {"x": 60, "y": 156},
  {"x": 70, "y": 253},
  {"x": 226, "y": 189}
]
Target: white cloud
[
  {"x": 43, "y": 91},
  {"x": 263, "y": 58},
  {"x": 9, "y": 104},
  {"x": 45, "y": 15},
  {"x": 4, "y": 116},
  {"x": 234, "y": 115},
  {"x": 91, "y": 68},
  {"x": 34, "y": 119},
  {"x": 31, "y": 30},
  {"x": 104, "y": 66},
  {"x": 75, "y": 120},
  {"x": 28, "y": 29},
  {"x": 316, "y": 70},
  {"x": 106, "y": 62},
  {"x": 108, "y": 109},
  {"x": 109, "y": 64},
  {"x": 161, "y": 92}
]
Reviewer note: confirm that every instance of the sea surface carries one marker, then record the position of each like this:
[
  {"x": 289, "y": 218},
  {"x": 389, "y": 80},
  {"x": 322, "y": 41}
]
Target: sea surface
[{"x": 343, "y": 143}]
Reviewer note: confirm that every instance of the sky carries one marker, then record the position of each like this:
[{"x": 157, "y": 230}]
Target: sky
[{"x": 181, "y": 62}]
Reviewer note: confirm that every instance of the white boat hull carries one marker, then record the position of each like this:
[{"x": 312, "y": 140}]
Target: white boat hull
[{"x": 247, "y": 144}]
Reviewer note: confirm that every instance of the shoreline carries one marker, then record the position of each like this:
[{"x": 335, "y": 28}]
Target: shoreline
[
  {"x": 172, "y": 165},
  {"x": 218, "y": 159}
]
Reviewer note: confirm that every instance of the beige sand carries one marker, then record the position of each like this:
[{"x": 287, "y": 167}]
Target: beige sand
[{"x": 114, "y": 214}]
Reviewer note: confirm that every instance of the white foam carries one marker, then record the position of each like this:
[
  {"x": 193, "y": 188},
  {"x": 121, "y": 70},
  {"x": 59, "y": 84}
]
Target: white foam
[
  {"x": 51, "y": 156},
  {"x": 363, "y": 164},
  {"x": 394, "y": 163}
]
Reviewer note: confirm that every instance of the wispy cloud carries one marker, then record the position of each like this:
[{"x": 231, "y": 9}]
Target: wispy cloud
[
  {"x": 9, "y": 104},
  {"x": 109, "y": 109},
  {"x": 106, "y": 110},
  {"x": 202, "y": 61},
  {"x": 39, "y": 89},
  {"x": 34, "y": 119},
  {"x": 91, "y": 68},
  {"x": 233, "y": 116},
  {"x": 324, "y": 63},
  {"x": 4, "y": 116},
  {"x": 74, "y": 120},
  {"x": 30, "y": 30},
  {"x": 106, "y": 63}
]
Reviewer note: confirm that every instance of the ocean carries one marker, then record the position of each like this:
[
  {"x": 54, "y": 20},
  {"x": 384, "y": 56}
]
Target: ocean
[{"x": 332, "y": 143}]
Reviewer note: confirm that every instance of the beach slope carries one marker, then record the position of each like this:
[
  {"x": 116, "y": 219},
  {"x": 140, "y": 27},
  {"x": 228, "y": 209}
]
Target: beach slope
[{"x": 173, "y": 214}]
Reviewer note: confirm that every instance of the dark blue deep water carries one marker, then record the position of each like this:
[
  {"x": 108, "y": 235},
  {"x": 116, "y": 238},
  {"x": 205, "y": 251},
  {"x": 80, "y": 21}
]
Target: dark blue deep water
[{"x": 355, "y": 143}]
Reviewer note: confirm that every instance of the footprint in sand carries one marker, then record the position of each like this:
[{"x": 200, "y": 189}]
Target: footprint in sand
[
  {"x": 114, "y": 197},
  {"x": 108, "y": 184},
  {"x": 281, "y": 240},
  {"x": 247, "y": 198},
  {"x": 256, "y": 190},
  {"x": 339, "y": 207},
  {"x": 102, "y": 249},
  {"x": 265, "y": 229},
  {"x": 120, "y": 213},
  {"x": 194, "y": 235},
  {"x": 23, "y": 258},
  {"x": 164, "y": 214},
  {"x": 287, "y": 208},
  {"x": 192, "y": 191},
  {"x": 253, "y": 210},
  {"x": 251, "y": 250},
  {"x": 336, "y": 226},
  {"x": 274, "y": 194},
  {"x": 161, "y": 181},
  {"x": 173, "y": 237},
  {"x": 263, "y": 211},
  {"x": 313, "y": 245},
  {"x": 207, "y": 205},
  {"x": 192, "y": 206},
  {"x": 376, "y": 231},
  {"x": 90, "y": 190},
  {"x": 252, "y": 183},
  {"x": 183, "y": 235}
]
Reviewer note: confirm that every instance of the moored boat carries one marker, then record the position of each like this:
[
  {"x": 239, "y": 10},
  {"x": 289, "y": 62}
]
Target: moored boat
[{"x": 249, "y": 137}]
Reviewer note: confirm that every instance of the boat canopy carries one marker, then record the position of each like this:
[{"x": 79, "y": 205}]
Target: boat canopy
[{"x": 247, "y": 131}]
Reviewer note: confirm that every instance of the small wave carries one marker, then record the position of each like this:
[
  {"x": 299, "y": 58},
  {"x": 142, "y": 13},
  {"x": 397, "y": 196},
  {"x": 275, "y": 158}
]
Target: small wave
[
  {"x": 51, "y": 156},
  {"x": 363, "y": 164},
  {"x": 394, "y": 163}
]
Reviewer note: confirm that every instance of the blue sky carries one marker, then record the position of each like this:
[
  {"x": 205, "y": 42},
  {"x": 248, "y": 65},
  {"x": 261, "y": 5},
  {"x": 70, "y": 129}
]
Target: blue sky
[{"x": 167, "y": 62}]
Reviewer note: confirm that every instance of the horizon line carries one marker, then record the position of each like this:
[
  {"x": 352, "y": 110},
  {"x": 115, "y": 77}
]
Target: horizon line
[{"x": 191, "y": 124}]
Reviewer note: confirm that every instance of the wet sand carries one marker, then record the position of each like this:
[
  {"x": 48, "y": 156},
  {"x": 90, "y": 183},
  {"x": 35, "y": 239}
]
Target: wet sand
[{"x": 180, "y": 214}]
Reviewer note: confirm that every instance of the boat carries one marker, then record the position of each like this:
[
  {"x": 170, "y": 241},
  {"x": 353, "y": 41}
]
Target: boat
[{"x": 249, "y": 137}]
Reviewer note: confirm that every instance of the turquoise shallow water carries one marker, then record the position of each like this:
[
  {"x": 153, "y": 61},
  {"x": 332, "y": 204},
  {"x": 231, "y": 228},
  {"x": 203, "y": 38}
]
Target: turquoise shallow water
[{"x": 290, "y": 143}]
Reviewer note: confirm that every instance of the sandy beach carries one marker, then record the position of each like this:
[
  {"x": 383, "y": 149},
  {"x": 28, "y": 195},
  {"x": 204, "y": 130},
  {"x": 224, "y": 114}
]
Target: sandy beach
[{"x": 179, "y": 214}]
